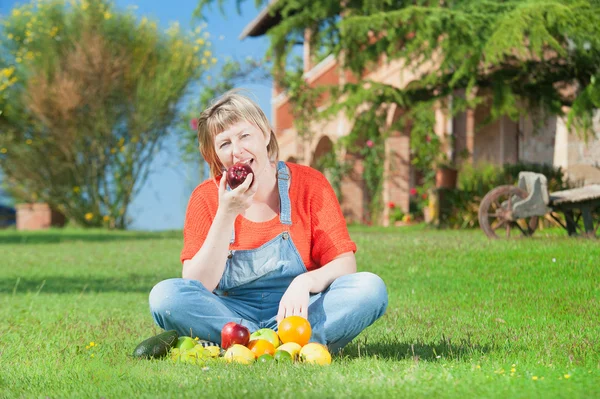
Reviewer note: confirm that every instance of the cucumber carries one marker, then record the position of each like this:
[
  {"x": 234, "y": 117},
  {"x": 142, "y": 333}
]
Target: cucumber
[{"x": 157, "y": 346}]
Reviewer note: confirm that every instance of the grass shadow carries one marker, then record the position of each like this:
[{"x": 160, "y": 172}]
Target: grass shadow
[
  {"x": 419, "y": 351},
  {"x": 70, "y": 285},
  {"x": 56, "y": 236}
]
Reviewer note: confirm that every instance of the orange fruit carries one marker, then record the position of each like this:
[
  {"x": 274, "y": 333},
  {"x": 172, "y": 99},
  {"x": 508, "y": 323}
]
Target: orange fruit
[
  {"x": 294, "y": 329},
  {"x": 261, "y": 346}
]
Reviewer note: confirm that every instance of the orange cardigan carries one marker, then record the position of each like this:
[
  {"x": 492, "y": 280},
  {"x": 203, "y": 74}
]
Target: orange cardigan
[{"x": 318, "y": 227}]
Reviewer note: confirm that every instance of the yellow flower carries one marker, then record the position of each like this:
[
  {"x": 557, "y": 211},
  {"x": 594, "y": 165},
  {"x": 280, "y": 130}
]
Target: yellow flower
[
  {"x": 196, "y": 48},
  {"x": 16, "y": 12},
  {"x": 200, "y": 41},
  {"x": 18, "y": 59},
  {"x": 92, "y": 355},
  {"x": 113, "y": 150},
  {"x": 478, "y": 366},
  {"x": 107, "y": 15},
  {"x": 28, "y": 141},
  {"x": 92, "y": 343},
  {"x": 89, "y": 216},
  {"x": 213, "y": 60},
  {"x": 7, "y": 72},
  {"x": 207, "y": 53},
  {"x": 106, "y": 218},
  {"x": 3, "y": 150},
  {"x": 513, "y": 370},
  {"x": 567, "y": 376},
  {"x": 204, "y": 62},
  {"x": 534, "y": 378},
  {"x": 10, "y": 36},
  {"x": 76, "y": 189}
]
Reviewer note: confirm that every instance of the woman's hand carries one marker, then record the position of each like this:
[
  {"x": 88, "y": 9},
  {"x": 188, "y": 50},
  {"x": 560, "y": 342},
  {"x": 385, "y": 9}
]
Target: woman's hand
[
  {"x": 294, "y": 301},
  {"x": 238, "y": 200}
]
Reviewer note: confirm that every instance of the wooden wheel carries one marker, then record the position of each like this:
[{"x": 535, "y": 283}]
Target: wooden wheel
[{"x": 496, "y": 214}]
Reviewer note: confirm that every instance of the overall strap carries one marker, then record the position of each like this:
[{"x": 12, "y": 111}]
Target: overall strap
[{"x": 283, "y": 184}]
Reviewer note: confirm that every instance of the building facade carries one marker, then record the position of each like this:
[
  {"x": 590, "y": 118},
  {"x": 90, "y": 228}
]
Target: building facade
[{"x": 531, "y": 139}]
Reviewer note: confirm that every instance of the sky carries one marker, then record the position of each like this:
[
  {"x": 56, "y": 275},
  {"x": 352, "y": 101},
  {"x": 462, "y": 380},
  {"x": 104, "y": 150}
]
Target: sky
[{"x": 162, "y": 201}]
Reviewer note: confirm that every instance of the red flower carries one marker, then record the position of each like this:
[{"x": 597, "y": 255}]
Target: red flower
[
  {"x": 424, "y": 196},
  {"x": 391, "y": 205},
  {"x": 369, "y": 143},
  {"x": 194, "y": 124},
  {"x": 413, "y": 191},
  {"x": 428, "y": 139}
]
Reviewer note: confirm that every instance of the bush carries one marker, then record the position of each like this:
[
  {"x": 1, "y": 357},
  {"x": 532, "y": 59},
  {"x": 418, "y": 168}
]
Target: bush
[{"x": 88, "y": 95}]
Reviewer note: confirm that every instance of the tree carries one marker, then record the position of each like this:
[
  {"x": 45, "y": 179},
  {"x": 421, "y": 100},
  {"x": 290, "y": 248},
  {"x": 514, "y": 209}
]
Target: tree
[
  {"x": 529, "y": 54},
  {"x": 87, "y": 97}
]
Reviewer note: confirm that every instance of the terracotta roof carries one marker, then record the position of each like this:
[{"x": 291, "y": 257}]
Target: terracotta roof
[{"x": 262, "y": 23}]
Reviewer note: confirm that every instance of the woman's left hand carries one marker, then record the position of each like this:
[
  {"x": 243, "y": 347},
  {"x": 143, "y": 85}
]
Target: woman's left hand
[{"x": 294, "y": 301}]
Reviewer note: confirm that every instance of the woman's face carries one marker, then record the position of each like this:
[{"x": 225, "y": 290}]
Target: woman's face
[{"x": 243, "y": 142}]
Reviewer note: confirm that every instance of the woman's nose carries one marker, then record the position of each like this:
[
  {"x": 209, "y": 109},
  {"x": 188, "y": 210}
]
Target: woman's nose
[{"x": 237, "y": 149}]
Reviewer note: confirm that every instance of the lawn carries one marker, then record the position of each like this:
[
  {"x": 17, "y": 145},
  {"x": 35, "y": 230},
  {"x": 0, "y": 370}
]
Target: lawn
[{"x": 466, "y": 318}]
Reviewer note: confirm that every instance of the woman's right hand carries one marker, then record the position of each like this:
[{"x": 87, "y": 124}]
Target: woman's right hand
[{"x": 236, "y": 201}]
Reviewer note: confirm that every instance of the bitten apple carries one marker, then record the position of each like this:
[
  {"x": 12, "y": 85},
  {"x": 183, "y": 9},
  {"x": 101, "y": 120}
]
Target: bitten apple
[
  {"x": 237, "y": 174},
  {"x": 234, "y": 333}
]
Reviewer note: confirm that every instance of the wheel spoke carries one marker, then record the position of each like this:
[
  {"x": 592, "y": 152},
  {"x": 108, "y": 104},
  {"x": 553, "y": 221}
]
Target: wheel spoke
[
  {"x": 520, "y": 228},
  {"x": 500, "y": 223},
  {"x": 508, "y": 230}
]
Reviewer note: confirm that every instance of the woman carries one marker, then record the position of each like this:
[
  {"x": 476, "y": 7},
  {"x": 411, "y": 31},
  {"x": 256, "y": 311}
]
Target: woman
[{"x": 275, "y": 246}]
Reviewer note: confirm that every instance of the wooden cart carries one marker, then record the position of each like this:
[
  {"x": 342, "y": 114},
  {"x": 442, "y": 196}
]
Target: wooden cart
[{"x": 515, "y": 210}]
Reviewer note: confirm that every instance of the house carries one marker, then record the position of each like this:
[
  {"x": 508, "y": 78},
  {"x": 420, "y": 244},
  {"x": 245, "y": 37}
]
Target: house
[{"x": 504, "y": 141}]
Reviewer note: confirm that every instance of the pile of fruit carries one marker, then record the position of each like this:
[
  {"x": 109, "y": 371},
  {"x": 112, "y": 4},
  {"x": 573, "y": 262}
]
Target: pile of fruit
[{"x": 290, "y": 344}]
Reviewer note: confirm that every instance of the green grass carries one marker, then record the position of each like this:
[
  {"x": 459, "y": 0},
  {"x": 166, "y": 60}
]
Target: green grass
[{"x": 466, "y": 317}]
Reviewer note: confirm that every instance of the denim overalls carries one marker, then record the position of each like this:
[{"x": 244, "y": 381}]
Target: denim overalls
[{"x": 253, "y": 283}]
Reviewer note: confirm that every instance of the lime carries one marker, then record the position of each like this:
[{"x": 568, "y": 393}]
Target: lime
[
  {"x": 283, "y": 356},
  {"x": 265, "y": 358}
]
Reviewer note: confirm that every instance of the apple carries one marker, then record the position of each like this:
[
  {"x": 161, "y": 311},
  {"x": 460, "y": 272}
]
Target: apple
[
  {"x": 234, "y": 333},
  {"x": 184, "y": 343},
  {"x": 267, "y": 334},
  {"x": 237, "y": 173}
]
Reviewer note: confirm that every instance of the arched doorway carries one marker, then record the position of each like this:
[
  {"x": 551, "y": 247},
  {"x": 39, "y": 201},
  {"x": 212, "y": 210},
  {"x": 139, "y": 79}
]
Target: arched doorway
[{"x": 324, "y": 147}]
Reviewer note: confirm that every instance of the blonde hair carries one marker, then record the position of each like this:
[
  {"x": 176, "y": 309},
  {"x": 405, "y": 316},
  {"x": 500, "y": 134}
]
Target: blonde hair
[{"x": 225, "y": 112}]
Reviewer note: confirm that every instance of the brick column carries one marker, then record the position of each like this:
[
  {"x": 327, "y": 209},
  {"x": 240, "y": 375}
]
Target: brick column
[
  {"x": 396, "y": 182},
  {"x": 353, "y": 192}
]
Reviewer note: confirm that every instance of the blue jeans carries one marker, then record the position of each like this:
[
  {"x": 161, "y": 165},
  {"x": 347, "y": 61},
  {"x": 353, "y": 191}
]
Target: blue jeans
[{"x": 337, "y": 315}]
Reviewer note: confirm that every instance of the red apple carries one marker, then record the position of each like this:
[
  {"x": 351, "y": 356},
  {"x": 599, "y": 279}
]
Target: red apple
[
  {"x": 237, "y": 173},
  {"x": 234, "y": 333}
]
